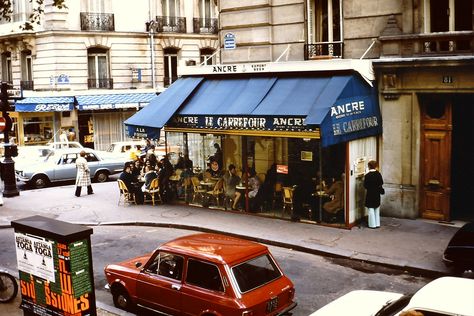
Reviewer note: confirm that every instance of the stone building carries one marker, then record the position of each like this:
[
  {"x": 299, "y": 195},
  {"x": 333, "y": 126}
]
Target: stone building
[
  {"x": 88, "y": 66},
  {"x": 422, "y": 56}
]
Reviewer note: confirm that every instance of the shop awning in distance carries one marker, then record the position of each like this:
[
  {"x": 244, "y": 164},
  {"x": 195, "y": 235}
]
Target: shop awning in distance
[
  {"x": 45, "y": 104},
  {"x": 148, "y": 122},
  {"x": 113, "y": 101}
]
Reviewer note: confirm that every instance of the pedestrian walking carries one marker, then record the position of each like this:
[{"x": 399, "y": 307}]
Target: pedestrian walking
[
  {"x": 373, "y": 185},
  {"x": 83, "y": 178}
]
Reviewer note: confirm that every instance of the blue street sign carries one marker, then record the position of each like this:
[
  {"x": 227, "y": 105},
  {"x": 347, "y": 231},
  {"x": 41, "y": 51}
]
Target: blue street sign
[{"x": 229, "y": 41}]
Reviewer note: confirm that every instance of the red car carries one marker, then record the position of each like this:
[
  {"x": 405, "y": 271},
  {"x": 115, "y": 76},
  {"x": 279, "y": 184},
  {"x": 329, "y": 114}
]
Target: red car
[{"x": 203, "y": 274}]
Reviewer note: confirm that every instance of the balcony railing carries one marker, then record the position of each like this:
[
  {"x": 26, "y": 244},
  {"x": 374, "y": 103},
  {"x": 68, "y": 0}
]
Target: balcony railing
[
  {"x": 169, "y": 80},
  {"x": 323, "y": 50},
  {"x": 205, "y": 26},
  {"x": 27, "y": 85},
  {"x": 97, "y": 21},
  {"x": 433, "y": 44},
  {"x": 168, "y": 24},
  {"x": 103, "y": 83}
]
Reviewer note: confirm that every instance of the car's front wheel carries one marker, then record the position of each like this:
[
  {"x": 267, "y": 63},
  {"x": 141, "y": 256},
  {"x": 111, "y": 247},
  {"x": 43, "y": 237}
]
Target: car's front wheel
[
  {"x": 122, "y": 299},
  {"x": 39, "y": 181},
  {"x": 102, "y": 176}
]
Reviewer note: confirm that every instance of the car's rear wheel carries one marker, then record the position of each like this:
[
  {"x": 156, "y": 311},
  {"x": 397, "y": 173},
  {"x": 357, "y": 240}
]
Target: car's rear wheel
[
  {"x": 102, "y": 176},
  {"x": 39, "y": 181},
  {"x": 122, "y": 299}
]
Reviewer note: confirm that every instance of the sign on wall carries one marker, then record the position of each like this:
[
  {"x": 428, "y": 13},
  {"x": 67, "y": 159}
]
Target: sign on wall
[
  {"x": 229, "y": 41},
  {"x": 35, "y": 256}
]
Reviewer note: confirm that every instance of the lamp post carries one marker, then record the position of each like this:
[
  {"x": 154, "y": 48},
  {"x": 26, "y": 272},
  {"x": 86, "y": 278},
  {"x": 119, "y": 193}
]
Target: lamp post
[
  {"x": 7, "y": 165},
  {"x": 151, "y": 32}
]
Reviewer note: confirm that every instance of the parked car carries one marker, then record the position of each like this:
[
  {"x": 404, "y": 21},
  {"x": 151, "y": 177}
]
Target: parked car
[
  {"x": 31, "y": 154},
  {"x": 123, "y": 149},
  {"x": 443, "y": 296},
  {"x": 64, "y": 145},
  {"x": 60, "y": 165},
  {"x": 203, "y": 274},
  {"x": 460, "y": 250}
]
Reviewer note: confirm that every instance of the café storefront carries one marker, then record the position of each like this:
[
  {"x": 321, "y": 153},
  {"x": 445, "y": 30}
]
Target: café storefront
[{"x": 300, "y": 127}]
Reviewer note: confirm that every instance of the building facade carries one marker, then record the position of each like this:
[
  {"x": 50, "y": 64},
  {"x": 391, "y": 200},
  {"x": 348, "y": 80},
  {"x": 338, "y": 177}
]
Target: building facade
[
  {"x": 88, "y": 66},
  {"x": 422, "y": 54}
]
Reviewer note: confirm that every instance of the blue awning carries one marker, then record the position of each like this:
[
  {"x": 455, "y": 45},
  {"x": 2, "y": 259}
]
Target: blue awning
[
  {"x": 113, "y": 101},
  {"x": 344, "y": 107},
  {"x": 148, "y": 121},
  {"x": 45, "y": 104}
]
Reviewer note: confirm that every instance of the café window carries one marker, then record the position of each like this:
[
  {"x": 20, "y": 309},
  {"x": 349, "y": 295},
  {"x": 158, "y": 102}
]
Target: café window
[{"x": 38, "y": 129}]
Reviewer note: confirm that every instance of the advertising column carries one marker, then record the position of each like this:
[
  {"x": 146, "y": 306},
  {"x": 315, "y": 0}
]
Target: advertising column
[{"x": 55, "y": 266}]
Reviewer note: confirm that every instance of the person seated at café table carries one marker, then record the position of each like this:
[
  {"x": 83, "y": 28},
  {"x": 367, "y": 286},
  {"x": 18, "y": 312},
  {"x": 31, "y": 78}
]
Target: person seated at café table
[
  {"x": 336, "y": 204},
  {"x": 254, "y": 186},
  {"x": 131, "y": 183},
  {"x": 148, "y": 177},
  {"x": 137, "y": 170},
  {"x": 231, "y": 180},
  {"x": 214, "y": 171}
]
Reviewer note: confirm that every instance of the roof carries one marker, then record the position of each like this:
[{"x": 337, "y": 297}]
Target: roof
[
  {"x": 215, "y": 247},
  {"x": 446, "y": 294}
]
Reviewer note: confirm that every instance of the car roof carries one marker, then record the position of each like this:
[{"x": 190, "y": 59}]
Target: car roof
[
  {"x": 447, "y": 294},
  {"x": 214, "y": 247}
]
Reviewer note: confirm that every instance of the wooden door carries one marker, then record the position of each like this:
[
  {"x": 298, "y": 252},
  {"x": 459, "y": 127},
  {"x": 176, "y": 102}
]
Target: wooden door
[{"x": 435, "y": 176}]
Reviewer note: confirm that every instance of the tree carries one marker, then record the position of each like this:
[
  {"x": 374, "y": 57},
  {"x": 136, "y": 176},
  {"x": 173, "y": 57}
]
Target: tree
[{"x": 34, "y": 18}]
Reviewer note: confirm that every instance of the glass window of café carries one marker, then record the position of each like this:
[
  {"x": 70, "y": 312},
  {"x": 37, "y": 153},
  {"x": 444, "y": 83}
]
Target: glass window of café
[
  {"x": 37, "y": 129},
  {"x": 278, "y": 176}
]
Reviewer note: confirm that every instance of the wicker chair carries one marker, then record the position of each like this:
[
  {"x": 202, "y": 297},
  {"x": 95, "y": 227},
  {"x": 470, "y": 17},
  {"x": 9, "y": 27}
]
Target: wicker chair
[
  {"x": 125, "y": 195},
  {"x": 217, "y": 193},
  {"x": 153, "y": 192},
  {"x": 198, "y": 191}
]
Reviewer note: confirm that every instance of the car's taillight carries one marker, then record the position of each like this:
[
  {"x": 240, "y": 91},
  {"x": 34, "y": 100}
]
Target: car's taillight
[{"x": 247, "y": 313}]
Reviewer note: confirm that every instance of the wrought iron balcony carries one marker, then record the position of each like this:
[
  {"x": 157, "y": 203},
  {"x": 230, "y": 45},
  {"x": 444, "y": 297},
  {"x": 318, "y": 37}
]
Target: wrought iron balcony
[
  {"x": 169, "y": 80},
  {"x": 168, "y": 24},
  {"x": 103, "y": 83},
  {"x": 97, "y": 21},
  {"x": 323, "y": 50},
  {"x": 205, "y": 26},
  {"x": 432, "y": 44},
  {"x": 27, "y": 85}
]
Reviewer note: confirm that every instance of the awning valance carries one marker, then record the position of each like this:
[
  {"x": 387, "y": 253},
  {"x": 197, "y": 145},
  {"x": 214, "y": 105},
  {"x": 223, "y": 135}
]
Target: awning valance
[
  {"x": 45, "y": 104},
  {"x": 113, "y": 101},
  {"x": 343, "y": 107}
]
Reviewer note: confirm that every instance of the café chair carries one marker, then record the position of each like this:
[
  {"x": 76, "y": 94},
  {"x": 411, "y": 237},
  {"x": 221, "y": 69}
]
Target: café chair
[
  {"x": 153, "y": 192},
  {"x": 125, "y": 195},
  {"x": 198, "y": 191},
  {"x": 217, "y": 192},
  {"x": 288, "y": 200}
]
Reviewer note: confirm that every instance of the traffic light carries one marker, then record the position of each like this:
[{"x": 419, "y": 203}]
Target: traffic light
[{"x": 6, "y": 99}]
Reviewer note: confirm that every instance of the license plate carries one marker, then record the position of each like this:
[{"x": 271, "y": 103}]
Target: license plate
[{"x": 272, "y": 304}]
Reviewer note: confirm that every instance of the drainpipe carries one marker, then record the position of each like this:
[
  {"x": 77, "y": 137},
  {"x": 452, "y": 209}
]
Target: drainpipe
[{"x": 151, "y": 31}]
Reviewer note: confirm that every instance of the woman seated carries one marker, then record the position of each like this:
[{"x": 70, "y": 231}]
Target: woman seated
[
  {"x": 148, "y": 177},
  {"x": 231, "y": 180},
  {"x": 336, "y": 204}
]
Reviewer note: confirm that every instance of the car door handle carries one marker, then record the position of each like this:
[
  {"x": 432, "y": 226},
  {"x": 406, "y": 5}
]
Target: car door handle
[{"x": 176, "y": 287}]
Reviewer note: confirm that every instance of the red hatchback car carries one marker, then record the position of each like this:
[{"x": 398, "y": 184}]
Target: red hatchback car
[{"x": 203, "y": 274}]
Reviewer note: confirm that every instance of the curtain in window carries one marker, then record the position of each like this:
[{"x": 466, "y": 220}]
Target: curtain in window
[{"x": 109, "y": 128}]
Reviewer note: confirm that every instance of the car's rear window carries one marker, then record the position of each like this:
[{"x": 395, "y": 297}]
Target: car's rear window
[{"x": 255, "y": 273}]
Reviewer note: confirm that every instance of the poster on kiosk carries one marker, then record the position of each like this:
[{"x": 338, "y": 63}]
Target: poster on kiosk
[{"x": 55, "y": 267}]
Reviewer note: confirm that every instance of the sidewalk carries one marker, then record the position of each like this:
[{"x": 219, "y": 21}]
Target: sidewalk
[{"x": 412, "y": 245}]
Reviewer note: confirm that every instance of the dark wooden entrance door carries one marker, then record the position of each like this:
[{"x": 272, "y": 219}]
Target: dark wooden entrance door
[{"x": 435, "y": 184}]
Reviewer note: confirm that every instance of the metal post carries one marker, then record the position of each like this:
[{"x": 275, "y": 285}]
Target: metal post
[
  {"x": 7, "y": 165},
  {"x": 151, "y": 29}
]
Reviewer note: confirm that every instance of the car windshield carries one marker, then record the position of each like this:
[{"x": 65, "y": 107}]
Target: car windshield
[
  {"x": 392, "y": 307},
  {"x": 255, "y": 272}
]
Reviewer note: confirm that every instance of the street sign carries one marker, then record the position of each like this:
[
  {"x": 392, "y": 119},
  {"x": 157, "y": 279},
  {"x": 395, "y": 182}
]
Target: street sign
[
  {"x": 3, "y": 123},
  {"x": 229, "y": 41},
  {"x": 14, "y": 94}
]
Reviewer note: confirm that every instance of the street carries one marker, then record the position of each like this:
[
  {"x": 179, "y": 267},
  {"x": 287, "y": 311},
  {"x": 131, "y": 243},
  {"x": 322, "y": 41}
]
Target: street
[{"x": 318, "y": 280}]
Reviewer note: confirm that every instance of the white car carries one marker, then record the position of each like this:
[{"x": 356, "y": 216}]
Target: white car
[
  {"x": 123, "y": 149},
  {"x": 443, "y": 296},
  {"x": 63, "y": 145}
]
